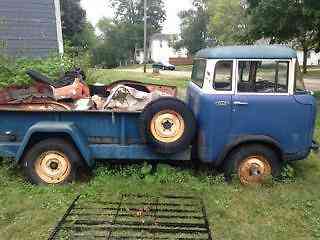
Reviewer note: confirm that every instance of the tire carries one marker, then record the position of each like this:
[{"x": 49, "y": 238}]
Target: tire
[
  {"x": 253, "y": 164},
  {"x": 168, "y": 125},
  {"x": 42, "y": 161}
]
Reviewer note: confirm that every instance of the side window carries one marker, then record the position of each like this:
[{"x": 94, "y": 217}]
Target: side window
[
  {"x": 244, "y": 71},
  {"x": 223, "y": 76},
  {"x": 198, "y": 72},
  {"x": 263, "y": 76},
  {"x": 299, "y": 85},
  {"x": 282, "y": 77}
]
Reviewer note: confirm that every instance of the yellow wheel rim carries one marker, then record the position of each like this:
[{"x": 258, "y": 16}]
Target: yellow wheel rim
[
  {"x": 167, "y": 126},
  {"x": 254, "y": 170},
  {"x": 53, "y": 167}
]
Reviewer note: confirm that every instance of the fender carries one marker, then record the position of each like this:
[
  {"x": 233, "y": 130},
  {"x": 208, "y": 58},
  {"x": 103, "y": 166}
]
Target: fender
[
  {"x": 247, "y": 139},
  {"x": 69, "y": 128}
]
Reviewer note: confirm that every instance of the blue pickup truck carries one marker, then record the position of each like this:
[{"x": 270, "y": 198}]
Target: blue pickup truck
[{"x": 247, "y": 111}]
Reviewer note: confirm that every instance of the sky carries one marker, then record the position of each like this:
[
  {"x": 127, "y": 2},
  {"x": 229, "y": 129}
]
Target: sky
[{"x": 96, "y": 9}]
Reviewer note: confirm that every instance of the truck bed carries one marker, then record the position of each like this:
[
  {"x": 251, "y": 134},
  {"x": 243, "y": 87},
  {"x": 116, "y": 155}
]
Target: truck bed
[{"x": 103, "y": 135}]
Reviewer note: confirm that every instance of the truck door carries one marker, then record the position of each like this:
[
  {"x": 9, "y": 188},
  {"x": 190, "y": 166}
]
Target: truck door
[
  {"x": 212, "y": 107},
  {"x": 264, "y": 104}
]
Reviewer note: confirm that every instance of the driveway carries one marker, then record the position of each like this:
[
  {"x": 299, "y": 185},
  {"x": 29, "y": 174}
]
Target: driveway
[{"x": 312, "y": 84}]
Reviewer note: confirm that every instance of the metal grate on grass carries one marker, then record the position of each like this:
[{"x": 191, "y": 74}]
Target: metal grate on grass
[{"x": 133, "y": 217}]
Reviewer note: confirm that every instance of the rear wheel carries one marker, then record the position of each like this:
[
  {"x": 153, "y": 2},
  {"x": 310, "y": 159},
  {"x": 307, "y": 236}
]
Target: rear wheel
[
  {"x": 253, "y": 164},
  {"x": 168, "y": 125},
  {"x": 51, "y": 162}
]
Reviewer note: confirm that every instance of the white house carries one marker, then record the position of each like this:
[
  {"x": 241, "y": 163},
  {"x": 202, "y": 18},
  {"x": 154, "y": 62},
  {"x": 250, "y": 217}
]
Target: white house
[
  {"x": 313, "y": 58},
  {"x": 161, "y": 49}
]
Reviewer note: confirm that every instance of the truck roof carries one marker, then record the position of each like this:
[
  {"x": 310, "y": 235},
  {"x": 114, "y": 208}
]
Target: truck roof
[{"x": 248, "y": 52}]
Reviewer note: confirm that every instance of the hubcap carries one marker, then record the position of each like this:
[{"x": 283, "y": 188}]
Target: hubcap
[
  {"x": 53, "y": 167},
  {"x": 254, "y": 170},
  {"x": 167, "y": 126}
]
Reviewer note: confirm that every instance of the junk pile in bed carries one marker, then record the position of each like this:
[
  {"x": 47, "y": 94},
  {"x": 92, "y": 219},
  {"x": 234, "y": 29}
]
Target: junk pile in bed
[{"x": 71, "y": 93}]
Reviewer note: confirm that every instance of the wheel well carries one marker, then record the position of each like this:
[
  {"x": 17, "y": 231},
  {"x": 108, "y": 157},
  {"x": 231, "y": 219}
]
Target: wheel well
[
  {"x": 270, "y": 145},
  {"x": 40, "y": 136}
]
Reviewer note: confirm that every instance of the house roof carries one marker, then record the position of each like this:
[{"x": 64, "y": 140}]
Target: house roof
[{"x": 248, "y": 52}]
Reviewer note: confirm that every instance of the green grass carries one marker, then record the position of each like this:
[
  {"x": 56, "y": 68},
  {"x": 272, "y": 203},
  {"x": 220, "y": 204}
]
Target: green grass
[
  {"x": 134, "y": 66},
  {"x": 286, "y": 209},
  {"x": 184, "y": 68},
  {"x": 108, "y": 76}
]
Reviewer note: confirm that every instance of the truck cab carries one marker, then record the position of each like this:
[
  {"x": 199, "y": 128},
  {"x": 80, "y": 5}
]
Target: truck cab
[{"x": 252, "y": 109}]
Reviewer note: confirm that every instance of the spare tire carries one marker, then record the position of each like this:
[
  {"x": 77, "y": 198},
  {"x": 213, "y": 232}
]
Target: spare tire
[{"x": 168, "y": 125}]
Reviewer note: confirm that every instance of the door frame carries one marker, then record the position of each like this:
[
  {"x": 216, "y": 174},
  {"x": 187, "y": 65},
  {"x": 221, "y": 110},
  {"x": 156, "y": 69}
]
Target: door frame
[{"x": 210, "y": 73}]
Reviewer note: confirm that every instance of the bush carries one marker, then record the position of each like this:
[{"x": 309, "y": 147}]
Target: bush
[{"x": 13, "y": 70}]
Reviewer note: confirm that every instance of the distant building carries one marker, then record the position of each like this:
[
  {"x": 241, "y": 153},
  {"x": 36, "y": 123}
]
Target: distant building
[
  {"x": 30, "y": 28},
  {"x": 139, "y": 55},
  {"x": 313, "y": 58},
  {"x": 161, "y": 49}
]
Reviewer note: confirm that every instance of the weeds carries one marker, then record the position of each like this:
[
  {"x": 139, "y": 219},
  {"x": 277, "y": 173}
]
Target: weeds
[{"x": 287, "y": 175}]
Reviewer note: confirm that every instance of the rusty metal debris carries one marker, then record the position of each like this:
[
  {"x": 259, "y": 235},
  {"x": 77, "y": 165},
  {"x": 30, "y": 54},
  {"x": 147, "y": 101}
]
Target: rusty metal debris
[
  {"x": 75, "y": 91},
  {"x": 72, "y": 93},
  {"x": 133, "y": 216},
  {"x": 130, "y": 99}
]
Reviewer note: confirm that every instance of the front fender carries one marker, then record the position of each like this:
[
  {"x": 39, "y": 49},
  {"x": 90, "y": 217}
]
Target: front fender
[
  {"x": 248, "y": 139},
  {"x": 52, "y": 128}
]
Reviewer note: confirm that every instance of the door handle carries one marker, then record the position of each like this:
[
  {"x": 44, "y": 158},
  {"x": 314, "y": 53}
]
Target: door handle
[
  {"x": 222, "y": 103},
  {"x": 240, "y": 103}
]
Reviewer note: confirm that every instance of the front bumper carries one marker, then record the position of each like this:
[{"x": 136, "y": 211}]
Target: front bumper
[
  {"x": 315, "y": 146},
  {"x": 303, "y": 154}
]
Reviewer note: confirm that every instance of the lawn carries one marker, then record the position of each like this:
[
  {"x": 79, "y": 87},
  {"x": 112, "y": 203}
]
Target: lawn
[
  {"x": 184, "y": 68},
  {"x": 288, "y": 208}
]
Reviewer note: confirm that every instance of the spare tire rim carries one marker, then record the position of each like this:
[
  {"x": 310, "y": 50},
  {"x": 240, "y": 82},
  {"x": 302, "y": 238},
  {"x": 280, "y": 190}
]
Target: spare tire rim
[
  {"x": 167, "y": 126},
  {"x": 53, "y": 167},
  {"x": 254, "y": 170}
]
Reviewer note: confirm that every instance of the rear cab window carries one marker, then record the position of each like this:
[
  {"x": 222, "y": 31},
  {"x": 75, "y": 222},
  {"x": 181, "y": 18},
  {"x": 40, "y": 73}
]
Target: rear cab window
[
  {"x": 222, "y": 80},
  {"x": 198, "y": 72}
]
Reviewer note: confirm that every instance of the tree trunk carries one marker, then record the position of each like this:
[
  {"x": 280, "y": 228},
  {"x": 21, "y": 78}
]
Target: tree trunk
[{"x": 305, "y": 60}]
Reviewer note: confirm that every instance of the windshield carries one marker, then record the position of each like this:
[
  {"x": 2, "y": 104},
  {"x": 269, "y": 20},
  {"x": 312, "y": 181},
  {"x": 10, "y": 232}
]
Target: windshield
[{"x": 299, "y": 83}]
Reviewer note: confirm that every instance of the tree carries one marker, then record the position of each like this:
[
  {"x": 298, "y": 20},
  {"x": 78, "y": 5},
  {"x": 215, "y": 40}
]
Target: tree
[
  {"x": 132, "y": 12},
  {"x": 86, "y": 39},
  {"x": 73, "y": 18},
  {"x": 228, "y": 21},
  {"x": 124, "y": 34},
  {"x": 287, "y": 21},
  {"x": 118, "y": 42},
  {"x": 194, "y": 27}
]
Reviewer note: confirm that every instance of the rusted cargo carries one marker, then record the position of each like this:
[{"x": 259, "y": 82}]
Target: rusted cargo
[{"x": 71, "y": 93}]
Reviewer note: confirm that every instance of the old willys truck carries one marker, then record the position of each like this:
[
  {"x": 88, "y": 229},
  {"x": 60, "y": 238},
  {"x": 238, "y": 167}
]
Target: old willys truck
[{"x": 246, "y": 112}]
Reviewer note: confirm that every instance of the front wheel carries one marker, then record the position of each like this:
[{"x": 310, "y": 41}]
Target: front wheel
[
  {"x": 253, "y": 164},
  {"x": 51, "y": 162}
]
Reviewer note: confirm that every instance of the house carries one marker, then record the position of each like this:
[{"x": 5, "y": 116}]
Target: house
[
  {"x": 30, "y": 28},
  {"x": 312, "y": 60},
  {"x": 161, "y": 49}
]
